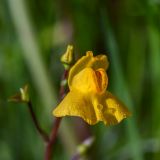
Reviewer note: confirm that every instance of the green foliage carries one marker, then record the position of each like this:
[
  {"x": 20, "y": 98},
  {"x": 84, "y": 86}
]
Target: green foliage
[{"x": 127, "y": 31}]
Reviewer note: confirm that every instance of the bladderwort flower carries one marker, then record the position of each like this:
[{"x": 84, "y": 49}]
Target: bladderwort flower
[{"x": 88, "y": 97}]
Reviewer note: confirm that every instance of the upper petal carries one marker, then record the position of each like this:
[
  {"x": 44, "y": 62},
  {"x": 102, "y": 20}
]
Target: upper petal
[
  {"x": 88, "y": 60},
  {"x": 89, "y": 80}
]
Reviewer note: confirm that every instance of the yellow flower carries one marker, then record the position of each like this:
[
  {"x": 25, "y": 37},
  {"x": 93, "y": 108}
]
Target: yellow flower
[{"x": 88, "y": 97}]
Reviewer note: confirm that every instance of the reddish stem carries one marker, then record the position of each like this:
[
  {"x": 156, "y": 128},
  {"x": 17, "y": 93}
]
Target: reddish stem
[
  {"x": 63, "y": 89},
  {"x": 39, "y": 129},
  {"x": 53, "y": 136},
  {"x": 62, "y": 92}
]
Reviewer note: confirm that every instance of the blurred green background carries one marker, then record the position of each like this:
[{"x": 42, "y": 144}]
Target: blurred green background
[{"x": 33, "y": 36}]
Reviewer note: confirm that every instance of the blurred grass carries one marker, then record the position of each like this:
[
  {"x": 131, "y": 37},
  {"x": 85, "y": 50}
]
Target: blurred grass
[
  {"x": 127, "y": 31},
  {"x": 122, "y": 89}
]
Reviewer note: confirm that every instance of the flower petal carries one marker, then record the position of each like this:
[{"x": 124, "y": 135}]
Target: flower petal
[
  {"x": 92, "y": 108},
  {"x": 76, "y": 104},
  {"x": 88, "y": 60},
  {"x": 99, "y": 61},
  {"x": 102, "y": 80},
  {"x": 115, "y": 110},
  {"x": 89, "y": 80}
]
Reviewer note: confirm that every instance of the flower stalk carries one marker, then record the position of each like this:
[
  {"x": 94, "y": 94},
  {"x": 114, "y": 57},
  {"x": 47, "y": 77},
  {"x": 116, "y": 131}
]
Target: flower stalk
[
  {"x": 62, "y": 93},
  {"x": 23, "y": 97},
  {"x": 53, "y": 136},
  {"x": 66, "y": 59},
  {"x": 35, "y": 121}
]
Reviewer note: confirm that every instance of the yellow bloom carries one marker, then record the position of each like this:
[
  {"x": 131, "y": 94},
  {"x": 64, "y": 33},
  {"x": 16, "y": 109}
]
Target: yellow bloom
[{"x": 88, "y": 97}]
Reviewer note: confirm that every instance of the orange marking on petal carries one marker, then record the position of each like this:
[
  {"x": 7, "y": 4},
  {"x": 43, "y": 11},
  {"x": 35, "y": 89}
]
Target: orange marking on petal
[{"x": 102, "y": 80}]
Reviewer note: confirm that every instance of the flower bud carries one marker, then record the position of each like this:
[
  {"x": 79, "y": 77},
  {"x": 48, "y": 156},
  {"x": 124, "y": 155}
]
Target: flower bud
[
  {"x": 22, "y": 96},
  {"x": 67, "y": 57}
]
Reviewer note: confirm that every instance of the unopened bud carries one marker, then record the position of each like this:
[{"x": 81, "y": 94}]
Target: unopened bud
[
  {"x": 24, "y": 93},
  {"x": 67, "y": 57},
  {"x": 22, "y": 96}
]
